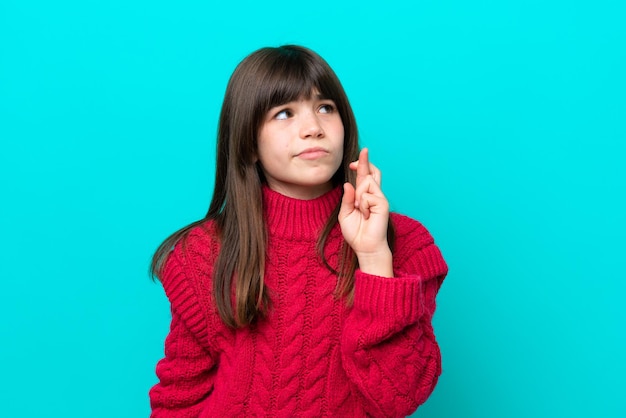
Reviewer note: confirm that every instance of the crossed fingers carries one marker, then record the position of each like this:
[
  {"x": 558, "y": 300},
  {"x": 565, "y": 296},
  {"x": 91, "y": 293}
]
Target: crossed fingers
[{"x": 368, "y": 191}]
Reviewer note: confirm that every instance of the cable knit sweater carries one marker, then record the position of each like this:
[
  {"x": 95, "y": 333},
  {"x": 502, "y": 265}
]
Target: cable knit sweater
[{"x": 312, "y": 355}]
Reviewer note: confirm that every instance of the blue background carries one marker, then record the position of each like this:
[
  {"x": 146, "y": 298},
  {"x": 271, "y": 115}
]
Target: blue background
[{"x": 500, "y": 125}]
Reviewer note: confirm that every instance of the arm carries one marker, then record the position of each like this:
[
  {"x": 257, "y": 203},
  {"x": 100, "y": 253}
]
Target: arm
[
  {"x": 185, "y": 375},
  {"x": 388, "y": 347},
  {"x": 187, "y": 372},
  {"x": 389, "y": 351}
]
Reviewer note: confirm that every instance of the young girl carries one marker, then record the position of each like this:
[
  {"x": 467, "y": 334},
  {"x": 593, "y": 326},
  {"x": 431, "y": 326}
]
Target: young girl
[{"x": 299, "y": 294}]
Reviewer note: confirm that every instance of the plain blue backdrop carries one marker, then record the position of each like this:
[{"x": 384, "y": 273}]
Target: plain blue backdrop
[{"x": 499, "y": 124}]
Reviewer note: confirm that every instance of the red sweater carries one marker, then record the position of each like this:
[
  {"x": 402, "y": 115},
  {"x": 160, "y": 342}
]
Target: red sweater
[{"x": 312, "y": 355}]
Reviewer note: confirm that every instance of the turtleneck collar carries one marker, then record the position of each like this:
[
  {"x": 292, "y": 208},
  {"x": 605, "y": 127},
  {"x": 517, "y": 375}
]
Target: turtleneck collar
[{"x": 295, "y": 218}]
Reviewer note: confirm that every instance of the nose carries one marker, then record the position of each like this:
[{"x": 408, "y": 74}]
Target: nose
[{"x": 311, "y": 127}]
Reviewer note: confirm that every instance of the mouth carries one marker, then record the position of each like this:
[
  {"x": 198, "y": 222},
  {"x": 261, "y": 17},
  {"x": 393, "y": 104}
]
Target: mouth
[{"x": 312, "y": 153}]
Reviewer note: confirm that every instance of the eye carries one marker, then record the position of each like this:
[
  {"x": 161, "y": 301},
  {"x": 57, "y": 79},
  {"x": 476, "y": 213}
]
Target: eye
[
  {"x": 327, "y": 108},
  {"x": 283, "y": 114}
]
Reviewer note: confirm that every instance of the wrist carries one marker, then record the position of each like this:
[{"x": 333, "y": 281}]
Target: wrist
[{"x": 378, "y": 263}]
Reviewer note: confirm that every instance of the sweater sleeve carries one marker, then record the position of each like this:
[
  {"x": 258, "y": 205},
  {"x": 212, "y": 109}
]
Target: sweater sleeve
[
  {"x": 187, "y": 372},
  {"x": 389, "y": 351},
  {"x": 186, "y": 375}
]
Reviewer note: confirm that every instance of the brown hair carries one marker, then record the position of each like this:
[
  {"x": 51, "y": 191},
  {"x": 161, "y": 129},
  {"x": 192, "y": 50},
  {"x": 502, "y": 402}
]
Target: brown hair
[{"x": 266, "y": 78}]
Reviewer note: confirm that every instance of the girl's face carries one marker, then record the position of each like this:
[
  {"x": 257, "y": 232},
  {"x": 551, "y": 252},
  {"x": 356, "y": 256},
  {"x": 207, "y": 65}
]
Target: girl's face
[{"x": 300, "y": 147}]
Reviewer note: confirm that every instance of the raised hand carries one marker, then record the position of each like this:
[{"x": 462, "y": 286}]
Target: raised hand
[{"x": 363, "y": 217}]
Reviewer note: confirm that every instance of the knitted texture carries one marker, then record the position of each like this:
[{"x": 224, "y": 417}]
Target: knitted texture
[{"x": 311, "y": 355}]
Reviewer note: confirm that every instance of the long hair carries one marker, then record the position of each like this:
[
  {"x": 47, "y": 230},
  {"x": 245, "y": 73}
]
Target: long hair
[{"x": 266, "y": 78}]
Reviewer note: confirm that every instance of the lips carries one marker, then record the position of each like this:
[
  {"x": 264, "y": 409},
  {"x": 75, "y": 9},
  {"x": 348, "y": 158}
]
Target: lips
[{"x": 312, "y": 153}]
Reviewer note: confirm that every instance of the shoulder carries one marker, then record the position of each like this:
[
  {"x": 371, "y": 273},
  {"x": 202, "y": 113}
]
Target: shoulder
[
  {"x": 414, "y": 248},
  {"x": 201, "y": 240},
  {"x": 198, "y": 246},
  {"x": 409, "y": 231}
]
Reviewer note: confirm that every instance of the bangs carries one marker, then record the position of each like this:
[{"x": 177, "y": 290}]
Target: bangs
[{"x": 295, "y": 77}]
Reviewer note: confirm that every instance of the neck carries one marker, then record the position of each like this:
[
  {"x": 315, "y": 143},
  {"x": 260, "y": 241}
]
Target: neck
[
  {"x": 303, "y": 192},
  {"x": 290, "y": 217}
]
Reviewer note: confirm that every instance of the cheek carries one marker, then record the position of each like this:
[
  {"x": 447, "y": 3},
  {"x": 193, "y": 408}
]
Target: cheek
[
  {"x": 340, "y": 135},
  {"x": 340, "y": 150},
  {"x": 341, "y": 132}
]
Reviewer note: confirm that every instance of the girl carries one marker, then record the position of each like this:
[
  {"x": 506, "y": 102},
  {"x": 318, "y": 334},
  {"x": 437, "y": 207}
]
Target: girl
[{"x": 299, "y": 294}]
